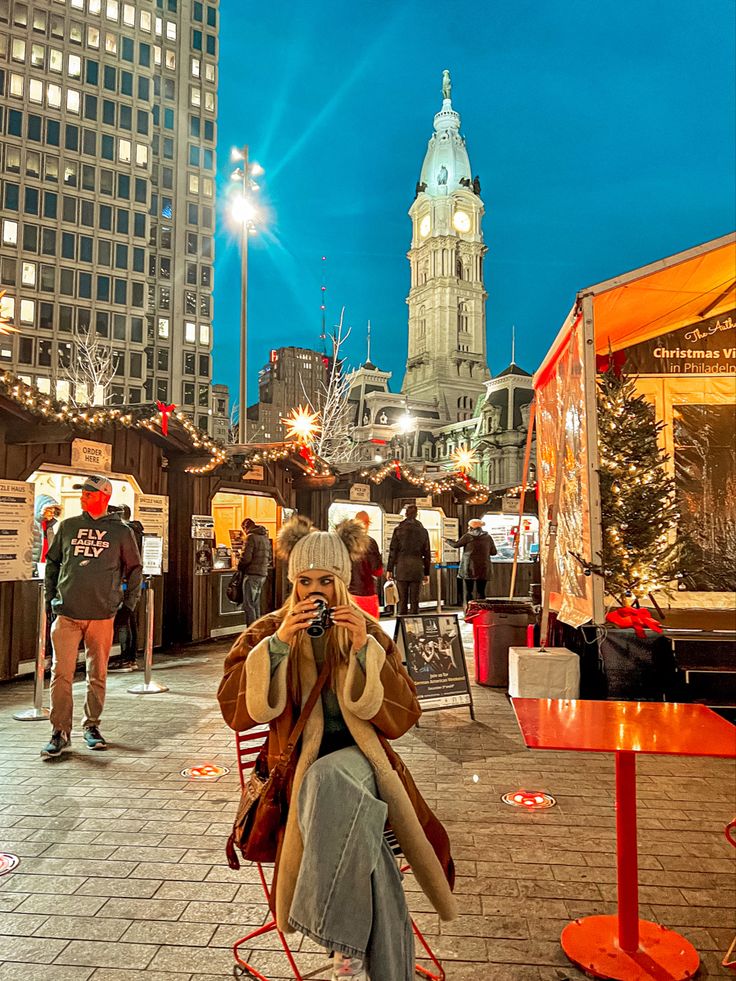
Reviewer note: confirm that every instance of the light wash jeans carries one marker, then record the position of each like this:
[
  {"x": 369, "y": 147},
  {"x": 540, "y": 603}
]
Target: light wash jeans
[
  {"x": 252, "y": 586},
  {"x": 348, "y": 895}
]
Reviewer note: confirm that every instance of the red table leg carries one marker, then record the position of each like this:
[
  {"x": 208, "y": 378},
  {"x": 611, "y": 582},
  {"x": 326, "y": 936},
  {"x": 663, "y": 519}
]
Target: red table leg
[{"x": 623, "y": 947}]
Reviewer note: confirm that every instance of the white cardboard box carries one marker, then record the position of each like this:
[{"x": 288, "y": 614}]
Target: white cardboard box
[{"x": 552, "y": 673}]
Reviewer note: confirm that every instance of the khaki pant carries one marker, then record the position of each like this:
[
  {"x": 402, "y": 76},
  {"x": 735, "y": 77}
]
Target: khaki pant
[{"x": 65, "y": 637}]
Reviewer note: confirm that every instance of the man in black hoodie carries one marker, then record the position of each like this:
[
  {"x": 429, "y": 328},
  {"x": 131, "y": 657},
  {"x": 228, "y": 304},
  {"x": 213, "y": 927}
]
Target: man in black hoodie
[
  {"x": 409, "y": 558},
  {"x": 255, "y": 560},
  {"x": 86, "y": 564}
]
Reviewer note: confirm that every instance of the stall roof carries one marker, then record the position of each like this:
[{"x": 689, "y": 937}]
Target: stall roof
[{"x": 655, "y": 299}]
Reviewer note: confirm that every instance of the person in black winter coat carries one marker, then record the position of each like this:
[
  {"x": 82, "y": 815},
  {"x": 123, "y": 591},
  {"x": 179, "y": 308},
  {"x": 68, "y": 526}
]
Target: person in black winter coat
[
  {"x": 409, "y": 559},
  {"x": 475, "y": 565},
  {"x": 254, "y": 563}
]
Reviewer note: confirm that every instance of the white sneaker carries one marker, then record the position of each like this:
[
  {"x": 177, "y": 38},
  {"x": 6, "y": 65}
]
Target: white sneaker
[{"x": 350, "y": 968}]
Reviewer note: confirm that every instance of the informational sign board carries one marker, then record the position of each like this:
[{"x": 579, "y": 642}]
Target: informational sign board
[
  {"x": 706, "y": 347},
  {"x": 432, "y": 648},
  {"x": 16, "y": 530},
  {"x": 203, "y": 526},
  {"x": 87, "y": 455},
  {"x": 509, "y": 505},
  {"x": 451, "y": 530},
  {"x": 152, "y": 510},
  {"x": 390, "y": 521},
  {"x": 153, "y": 551},
  {"x": 255, "y": 473},
  {"x": 360, "y": 492}
]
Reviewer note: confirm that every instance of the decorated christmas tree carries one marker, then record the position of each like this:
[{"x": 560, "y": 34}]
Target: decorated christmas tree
[{"x": 638, "y": 505}]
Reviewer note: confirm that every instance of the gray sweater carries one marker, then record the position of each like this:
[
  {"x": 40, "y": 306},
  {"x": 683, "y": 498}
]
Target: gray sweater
[{"x": 86, "y": 565}]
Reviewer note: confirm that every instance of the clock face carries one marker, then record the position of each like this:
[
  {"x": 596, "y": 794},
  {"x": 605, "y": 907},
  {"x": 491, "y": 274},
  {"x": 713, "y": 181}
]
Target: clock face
[
  {"x": 461, "y": 221},
  {"x": 424, "y": 226}
]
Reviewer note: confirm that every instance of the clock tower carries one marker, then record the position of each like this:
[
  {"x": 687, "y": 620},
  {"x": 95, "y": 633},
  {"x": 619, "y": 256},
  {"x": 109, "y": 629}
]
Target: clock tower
[{"x": 446, "y": 362}]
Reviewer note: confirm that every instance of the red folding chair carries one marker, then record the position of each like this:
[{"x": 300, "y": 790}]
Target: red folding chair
[
  {"x": 730, "y": 958},
  {"x": 248, "y": 746}
]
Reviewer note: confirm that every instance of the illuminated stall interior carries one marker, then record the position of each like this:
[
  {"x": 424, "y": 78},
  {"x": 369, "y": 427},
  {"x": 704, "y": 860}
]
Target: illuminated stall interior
[
  {"x": 503, "y": 529},
  {"x": 341, "y": 510},
  {"x": 230, "y": 509}
]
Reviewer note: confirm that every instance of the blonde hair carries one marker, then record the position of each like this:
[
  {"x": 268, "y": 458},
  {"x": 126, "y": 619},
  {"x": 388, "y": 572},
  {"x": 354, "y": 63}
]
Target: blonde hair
[{"x": 339, "y": 642}]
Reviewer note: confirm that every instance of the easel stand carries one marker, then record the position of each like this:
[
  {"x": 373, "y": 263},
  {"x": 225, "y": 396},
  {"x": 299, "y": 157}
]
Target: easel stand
[
  {"x": 38, "y": 712},
  {"x": 148, "y": 687}
]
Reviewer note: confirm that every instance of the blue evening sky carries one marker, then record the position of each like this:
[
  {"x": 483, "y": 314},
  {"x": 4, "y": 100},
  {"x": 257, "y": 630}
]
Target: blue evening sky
[{"x": 602, "y": 132}]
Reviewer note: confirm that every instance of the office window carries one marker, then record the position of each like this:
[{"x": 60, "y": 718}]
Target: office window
[
  {"x": 85, "y": 248},
  {"x": 34, "y": 128},
  {"x": 124, "y": 186},
  {"x": 53, "y": 96},
  {"x": 12, "y": 196},
  {"x": 50, "y": 201},
  {"x": 30, "y": 238},
  {"x": 188, "y": 393},
  {"x": 191, "y": 273},
  {"x": 48, "y": 279},
  {"x": 162, "y": 359},
  {"x": 93, "y": 37},
  {"x": 85, "y": 285},
  {"x": 141, "y": 155},
  {"x": 108, "y": 112},
  {"x": 205, "y": 276},
  {"x": 7, "y": 271},
  {"x": 74, "y": 66},
  {"x": 203, "y": 401},
  {"x": 66, "y": 282},
  {"x": 189, "y": 362},
  {"x": 103, "y": 288},
  {"x": 105, "y": 217},
  {"x": 73, "y": 101},
  {"x": 118, "y": 327},
  {"x": 204, "y": 365},
  {"x": 211, "y": 44},
  {"x": 91, "y": 71},
  {"x": 87, "y": 214},
  {"x": 190, "y": 336},
  {"x": 104, "y": 252},
  {"x": 193, "y": 184},
  {"x": 121, "y": 256},
  {"x": 30, "y": 201},
  {"x": 123, "y": 221},
  {"x": 28, "y": 274},
  {"x": 107, "y": 147},
  {"x": 25, "y": 350},
  {"x": 68, "y": 245},
  {"x": 121, "y": 292},
  {"x": 7, "y": 308},
  {"x": 139, "y": 225},
  {"x": 88, "y": 177},
  {"x": 204, "y": 334},
  {"x": 162, "y": 391},
  {"x": 44, "y": 353},
  {"x": 111, "y": 43},
  {"x": 48, "y": 241},
  {"x": 190, "y": 302},
  {"x": 136, "y": 329},
  {"x": 70, "y": 173},
  {"x": 124, "y": 150},
  {"x": 126, "y": 117},
  {"x": 144, "y": 55},
  {"x": 163, "y": 327},
  {"x": 197, "y": 40},
  {"x": 204, "y": 305},
  {"x": 192, "y": 214}
]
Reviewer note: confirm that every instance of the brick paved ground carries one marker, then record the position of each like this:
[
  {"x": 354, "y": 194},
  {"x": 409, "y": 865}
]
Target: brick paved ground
[{"x": 123, "y": 877}]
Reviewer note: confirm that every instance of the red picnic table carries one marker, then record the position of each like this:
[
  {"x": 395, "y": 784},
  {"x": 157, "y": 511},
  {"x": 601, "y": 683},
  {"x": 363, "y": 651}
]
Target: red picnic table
[{"x": 623, "y": 947}]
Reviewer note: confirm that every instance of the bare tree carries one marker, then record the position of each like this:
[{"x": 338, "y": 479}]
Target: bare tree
[
  {"x": 334, "y": 443},
  {"x": 91, "y": 368},
  {"x": 233, "y": 423}
]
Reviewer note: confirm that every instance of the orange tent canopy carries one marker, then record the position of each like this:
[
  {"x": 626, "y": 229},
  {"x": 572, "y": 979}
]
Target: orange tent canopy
[{"x": 655, "y": 299}]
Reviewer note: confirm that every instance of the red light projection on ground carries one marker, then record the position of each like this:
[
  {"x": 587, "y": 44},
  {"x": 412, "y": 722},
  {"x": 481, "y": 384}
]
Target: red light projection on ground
[
  {"x": 8, "y": 862},
  {"x": 530, "y": 800},
  {"x": 206, "y": 771}
]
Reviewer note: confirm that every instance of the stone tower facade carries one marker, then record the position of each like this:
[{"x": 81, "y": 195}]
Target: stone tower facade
[{"x": 446, "y": 362}]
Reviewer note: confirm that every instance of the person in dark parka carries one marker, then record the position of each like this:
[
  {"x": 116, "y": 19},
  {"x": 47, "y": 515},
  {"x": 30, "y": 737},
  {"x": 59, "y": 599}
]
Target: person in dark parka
[
  {"x": 475, "y": 565},
  {"x": 254, "y": 563},
  {"x": 409, "y": 559}
]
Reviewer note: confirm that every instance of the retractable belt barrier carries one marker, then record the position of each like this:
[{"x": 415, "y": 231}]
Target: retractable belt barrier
[{"x": 148, "y": 687}]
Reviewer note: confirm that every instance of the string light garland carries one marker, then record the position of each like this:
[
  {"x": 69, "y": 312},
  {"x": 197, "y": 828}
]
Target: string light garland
[
  {"x": 430, "y": 485},
  {"x": 147, "y": 417}
]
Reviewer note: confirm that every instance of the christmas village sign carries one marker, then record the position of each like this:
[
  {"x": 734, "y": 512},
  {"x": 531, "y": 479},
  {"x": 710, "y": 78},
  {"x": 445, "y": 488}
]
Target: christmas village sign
[{"x": 707, "y": 347}]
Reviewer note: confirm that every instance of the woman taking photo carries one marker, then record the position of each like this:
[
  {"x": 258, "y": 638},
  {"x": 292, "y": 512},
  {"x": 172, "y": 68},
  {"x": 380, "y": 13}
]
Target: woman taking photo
[{"x": 336, "y": 879}]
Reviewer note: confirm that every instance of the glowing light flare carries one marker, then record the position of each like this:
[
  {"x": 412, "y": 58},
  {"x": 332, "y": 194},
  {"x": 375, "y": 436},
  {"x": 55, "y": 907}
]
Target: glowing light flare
[
  {"x": 302, "y": 425},
  {"x": 464, "y": 459},
  {"x": 242, "y": 210}
]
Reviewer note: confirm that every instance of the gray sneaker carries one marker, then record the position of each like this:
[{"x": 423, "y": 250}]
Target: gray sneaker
[
  {"x": 93, "y": 738},
  {"x": 58, "y": 744}
]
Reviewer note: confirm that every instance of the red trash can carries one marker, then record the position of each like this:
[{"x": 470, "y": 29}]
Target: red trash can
[{"x": 497, "y": 625}]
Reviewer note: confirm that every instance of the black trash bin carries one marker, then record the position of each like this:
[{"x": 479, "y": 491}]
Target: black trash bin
[{"x": 497, "y": 625}]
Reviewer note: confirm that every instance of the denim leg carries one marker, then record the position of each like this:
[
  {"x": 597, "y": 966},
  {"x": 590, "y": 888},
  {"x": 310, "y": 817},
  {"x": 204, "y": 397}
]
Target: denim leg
[{"x": 348, "y": 894}]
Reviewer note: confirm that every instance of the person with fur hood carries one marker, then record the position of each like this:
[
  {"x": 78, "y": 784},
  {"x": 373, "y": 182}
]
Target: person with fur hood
[{"x": 336, "y": 879}]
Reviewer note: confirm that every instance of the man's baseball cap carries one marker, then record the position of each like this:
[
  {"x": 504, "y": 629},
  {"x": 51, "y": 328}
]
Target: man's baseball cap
[{"x": 96, "y": 483}]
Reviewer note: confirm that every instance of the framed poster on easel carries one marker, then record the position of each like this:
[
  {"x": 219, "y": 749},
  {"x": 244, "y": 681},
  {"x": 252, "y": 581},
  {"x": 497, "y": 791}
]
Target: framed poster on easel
[{"x": 432, "y": 648}]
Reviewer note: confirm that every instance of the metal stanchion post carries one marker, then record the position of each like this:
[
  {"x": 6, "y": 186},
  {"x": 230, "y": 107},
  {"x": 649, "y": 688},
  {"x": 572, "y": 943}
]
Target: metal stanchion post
[
  {"x": 38, "y": 711},
  {"x": 438, "y": 567},
  {"x": 148, "y": 687}
]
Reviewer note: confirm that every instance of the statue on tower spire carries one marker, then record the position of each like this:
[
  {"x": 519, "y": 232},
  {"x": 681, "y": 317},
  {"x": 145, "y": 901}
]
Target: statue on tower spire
[{"x": 446, "y": 85}]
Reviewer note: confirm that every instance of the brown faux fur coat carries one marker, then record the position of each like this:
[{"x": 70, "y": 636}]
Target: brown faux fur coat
[{"x": 377, "y": 705}]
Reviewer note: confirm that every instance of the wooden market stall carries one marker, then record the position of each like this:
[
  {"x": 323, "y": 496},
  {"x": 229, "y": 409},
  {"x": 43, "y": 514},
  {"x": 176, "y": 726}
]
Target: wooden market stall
[{"x": 672, "y": 324}]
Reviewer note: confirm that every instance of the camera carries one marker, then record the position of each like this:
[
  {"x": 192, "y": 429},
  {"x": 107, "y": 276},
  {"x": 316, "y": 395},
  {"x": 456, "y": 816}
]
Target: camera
[{"x": 322, "y": 619}]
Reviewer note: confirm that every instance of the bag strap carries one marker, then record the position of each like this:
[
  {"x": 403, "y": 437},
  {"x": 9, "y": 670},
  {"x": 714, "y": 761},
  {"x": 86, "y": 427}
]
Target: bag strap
[{"x": 306, "y": 711}]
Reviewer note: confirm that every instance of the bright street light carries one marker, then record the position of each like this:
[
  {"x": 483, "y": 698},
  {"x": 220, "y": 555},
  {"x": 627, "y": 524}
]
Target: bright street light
[{"x": 244, "y": 212}]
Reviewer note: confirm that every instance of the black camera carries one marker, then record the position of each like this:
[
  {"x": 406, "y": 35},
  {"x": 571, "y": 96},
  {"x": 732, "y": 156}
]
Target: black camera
[{"x": 322, "y": 619}]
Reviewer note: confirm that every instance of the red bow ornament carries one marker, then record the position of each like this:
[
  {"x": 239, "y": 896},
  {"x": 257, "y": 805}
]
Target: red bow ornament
[
  {"x": 306, "y": 454},
  {"x": 397, "y": 469},
  {"x": 165, "y": 411},
  {"x": 640, "y": 620}
]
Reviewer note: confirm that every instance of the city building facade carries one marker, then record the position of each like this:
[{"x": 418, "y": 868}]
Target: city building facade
[
  {"x": 293, "y": 376},
  {"x": 108, "y": 115}
]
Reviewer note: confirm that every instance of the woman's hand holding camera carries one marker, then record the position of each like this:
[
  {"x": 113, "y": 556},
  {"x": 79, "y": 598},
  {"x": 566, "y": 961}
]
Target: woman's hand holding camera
[
  {"x": 298, "y": 618},
  {"x": 352, "y": 620}
]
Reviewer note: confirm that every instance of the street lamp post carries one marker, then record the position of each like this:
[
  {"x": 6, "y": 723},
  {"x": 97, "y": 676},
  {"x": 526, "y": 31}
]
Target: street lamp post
[{"x": 244, "y": 213}]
